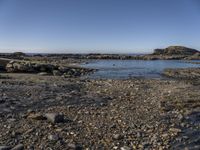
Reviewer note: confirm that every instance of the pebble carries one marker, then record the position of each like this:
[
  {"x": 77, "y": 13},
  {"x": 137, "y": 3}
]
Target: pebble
[
  {"x": 74, "y": 146},
  {"x": 127, "y": 123},
  {"x": 43, "y": 74},
  {"x": 117, "y": 136},
  {"x": 139, "y": 134},
  {"x": 180, "y": 117},
  {"x": 125, "y": 148},
  {"x": 53, "y": 137},
  {"x": 175, "y": 130},
  {"x": 36, "y": 116}
]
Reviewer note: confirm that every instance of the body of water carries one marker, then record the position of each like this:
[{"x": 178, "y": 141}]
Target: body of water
[{"x": 123, "y": 69}]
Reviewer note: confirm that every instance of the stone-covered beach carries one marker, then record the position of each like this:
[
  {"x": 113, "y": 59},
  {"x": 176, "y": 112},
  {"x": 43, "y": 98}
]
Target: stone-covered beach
[{"x": 45, "y": 103}]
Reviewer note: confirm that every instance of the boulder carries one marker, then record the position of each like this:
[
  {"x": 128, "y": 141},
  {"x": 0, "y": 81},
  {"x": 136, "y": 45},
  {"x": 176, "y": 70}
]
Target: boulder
[
  {"x": 55, "y": 117},
  {"x": 45, "y": 69},
  {"x": 28, "y": 67}
]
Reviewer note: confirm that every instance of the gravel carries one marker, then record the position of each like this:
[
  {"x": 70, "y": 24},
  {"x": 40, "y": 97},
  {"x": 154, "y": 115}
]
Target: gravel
[{"x": 51, "y": 112}]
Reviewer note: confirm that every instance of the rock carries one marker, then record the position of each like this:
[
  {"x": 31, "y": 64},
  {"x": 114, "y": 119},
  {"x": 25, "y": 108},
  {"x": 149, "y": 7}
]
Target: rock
[
  {"x": 53, "y": 137},
  {"x": 43, "y": 74},
  {"x": 139, "y": 134},
  {"x": 29, "y": 67},
  {"x": 2, "y": 101},
  {"x": 196, "y": 56},
  {"x": 125, "y": 148},
  {"x": 36, "y": 116},
  {"x": 30, "y": 111},
  {"x": 175, "y": 130},
  {"x": 117, "y": 136},
  {"x": 5, "y": 148},
  {"x": 175, "y": 50},
  {"x": 18, "y": 147},
  {"x": 180, "y": 117},
  {"x": 65, "y": 75},
  {"x": 57, "y": 73},
  {"x": 18, "y": 54},
  {"x": 55, "y": 117},
  {"x": 44, "y": 69},
  {"x": 74, "y": 146}
]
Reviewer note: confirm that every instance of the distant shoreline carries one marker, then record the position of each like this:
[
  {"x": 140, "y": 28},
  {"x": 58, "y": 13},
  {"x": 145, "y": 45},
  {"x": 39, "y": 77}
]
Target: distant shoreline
[{"x": 169, "y": 53}]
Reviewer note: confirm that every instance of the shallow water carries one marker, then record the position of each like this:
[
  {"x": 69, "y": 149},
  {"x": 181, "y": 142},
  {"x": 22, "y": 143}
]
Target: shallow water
[{"x": 123, "y": 69}]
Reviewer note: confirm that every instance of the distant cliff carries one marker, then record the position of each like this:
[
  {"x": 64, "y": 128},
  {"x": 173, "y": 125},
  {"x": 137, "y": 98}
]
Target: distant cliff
[{"x": 175, "y": 50}]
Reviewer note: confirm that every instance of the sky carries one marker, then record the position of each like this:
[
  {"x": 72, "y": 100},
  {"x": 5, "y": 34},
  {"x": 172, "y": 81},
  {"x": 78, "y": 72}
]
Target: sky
[{"x": 98, "y": 26}]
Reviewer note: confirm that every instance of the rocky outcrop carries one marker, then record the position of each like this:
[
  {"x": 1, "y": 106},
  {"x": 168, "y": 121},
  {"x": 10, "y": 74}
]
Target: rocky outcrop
[
  {"x": 48, "y": 69},
  {"x": 15, "y": 55},
  {"x": 175, "y": 50},
  {"x": 28, "y": 67},
  {"x": 169, "y": 53},
  {"x": 196, "y": 56}
]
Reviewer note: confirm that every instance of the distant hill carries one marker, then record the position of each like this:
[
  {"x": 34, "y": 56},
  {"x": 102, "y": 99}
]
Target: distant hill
[{"x": 175, "y": 50}]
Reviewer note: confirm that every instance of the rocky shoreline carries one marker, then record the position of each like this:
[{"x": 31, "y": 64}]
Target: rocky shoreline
[
  {"x": 41, "y": 68},
  {"x": 43, "y": 110},
  {"x": 50, "y": 112},
  {"x": 169, "y": 53},
  {"x": 188, "y": 74}
]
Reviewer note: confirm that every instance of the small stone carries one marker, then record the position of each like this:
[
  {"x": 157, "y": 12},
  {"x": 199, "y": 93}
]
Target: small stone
[
  {"x": 55, "y": 117},
  {"x": 11, "y": 120},
  {"x": 18, "y": 147},
  {"x": 125, "y": 148},
  {"x": 43, "y": 74},
  {"x": 117, "y": 137},
  {"x": 57, "y": 73},
  {"x": 180, "y": 117},
  {"x": 165, "y": 135},
  {"x": 113, "y": 126},
  {"x": 15, "y": 133},
  {"x": 74, "y": 146},
  {"x": 30, "y": 111},
  {"x": 36, "y": 116},
  {"x": 5, "y": 147},
  {"x": 59, "y": 130},
  {"x": 139, "y": 134},
  {"x": 54, "y": 137},
  {"x": 175, "y": 130}
]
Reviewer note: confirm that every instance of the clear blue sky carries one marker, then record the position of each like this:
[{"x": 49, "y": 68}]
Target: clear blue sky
[{"x": 125, "y": 26}]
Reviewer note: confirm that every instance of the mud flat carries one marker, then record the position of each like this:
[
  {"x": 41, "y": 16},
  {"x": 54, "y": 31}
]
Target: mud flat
[{"x": 54, "y": 112}]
